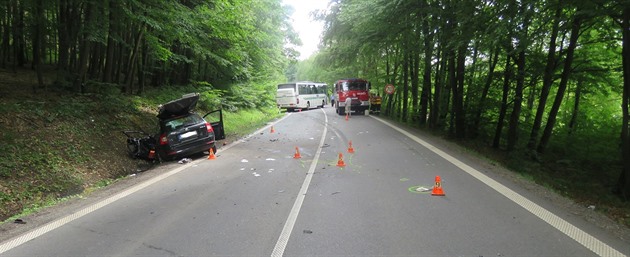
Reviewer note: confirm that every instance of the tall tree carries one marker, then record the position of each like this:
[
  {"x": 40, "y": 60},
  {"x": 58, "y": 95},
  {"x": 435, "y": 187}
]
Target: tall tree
[
  {"x": 547, "y": 77},
  {"x": 425, "y": 96},
  {"x": 568, "y": 61},
  {"x": 512, "y": 137},
  {"x": 38, "y": 41},
  {"x": 507, "y": 77},
  {"x": 492, "y": 64},
  {"x": 623, "y": 185}
]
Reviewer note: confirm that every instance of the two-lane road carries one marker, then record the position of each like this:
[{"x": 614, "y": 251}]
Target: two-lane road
[{"x": 257, "y": 199}]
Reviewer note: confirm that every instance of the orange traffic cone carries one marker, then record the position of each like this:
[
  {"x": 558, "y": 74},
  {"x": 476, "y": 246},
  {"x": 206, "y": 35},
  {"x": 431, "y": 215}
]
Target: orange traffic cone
[
  {"x": 272, "y": 130},
  {"x": 437, "y": 189},
  {"x": 350, "y": 149},
  {"x": 211, "y": 155},
  {"x": 340, "y": 162},
  {"x": 297, "y": 154},
  {"x": 346, "y": 116}
]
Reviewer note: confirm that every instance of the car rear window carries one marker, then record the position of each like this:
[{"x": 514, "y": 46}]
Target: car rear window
[{"x": 182, "y": 121}]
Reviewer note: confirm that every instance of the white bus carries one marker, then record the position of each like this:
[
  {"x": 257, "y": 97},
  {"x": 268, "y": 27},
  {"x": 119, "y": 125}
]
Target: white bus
[{"x": 301, "y": 95}]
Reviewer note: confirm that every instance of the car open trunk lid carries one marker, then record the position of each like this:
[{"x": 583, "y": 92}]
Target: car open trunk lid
[{"x": 178, "y": 107}]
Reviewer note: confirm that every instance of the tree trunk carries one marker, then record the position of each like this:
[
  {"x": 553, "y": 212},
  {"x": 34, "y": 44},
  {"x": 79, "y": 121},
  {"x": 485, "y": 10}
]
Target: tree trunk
[
  {"x": 547, "y": 79},
  {"x": 415, "y": 62},
  {"x": 141, "y": 69},
  {"x": 623, "y": 185},
  {"x": 458, "y": 92},
  {"x": 531, "y": 97},
  {"x": 439, "y": 97},
  {"x": 18, "y": 35},
  {"x": 111, "y": 44},
  {"x": 471, "y": 88},
  {"x": 132, "y": 60},
  {"x": 38, "y": 44},
  {"x": 551, "y": 120},
  {"x": 426, "y": 77},
  {"x": 494, "y": 59},
  {"x": 512, "y": 137},
  {"x": 68, "y": 29},
  {"x": 5, "y": 52},
  {"x": 388, "y": 79},
  {"x": 448, "y": 78},
  {"x": 435, "y": 109},
  {"x": 504, "y": 102},
  {"x": 84, "y": 52},
  {"x": 576, "y": 107},
  {"x": 405, "y": 89}
]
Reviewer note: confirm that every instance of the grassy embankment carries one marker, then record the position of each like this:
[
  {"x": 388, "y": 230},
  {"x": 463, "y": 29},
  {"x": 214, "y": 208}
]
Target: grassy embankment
[{"x": 56, "y": 144}]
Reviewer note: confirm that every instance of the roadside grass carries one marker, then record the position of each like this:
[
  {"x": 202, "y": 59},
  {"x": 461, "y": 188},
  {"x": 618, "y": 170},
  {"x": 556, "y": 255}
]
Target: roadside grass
[
  {"x": 57, "y": 146},
  {"x": 584, "y": 167},
  {"x": 586, "y": 177},
  {"x": 247, "y": 121}
]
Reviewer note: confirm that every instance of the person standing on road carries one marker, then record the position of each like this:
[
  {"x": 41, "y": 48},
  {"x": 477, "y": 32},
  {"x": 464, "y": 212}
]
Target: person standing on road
[
  {"x": 332, "y": 100},
  {"x": 348, "y": 105}
]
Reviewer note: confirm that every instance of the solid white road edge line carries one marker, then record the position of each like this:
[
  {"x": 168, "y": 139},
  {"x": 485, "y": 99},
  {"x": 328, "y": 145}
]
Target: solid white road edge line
[
  {"x": 28, "y": 236},
  {"x": 585, "y": 239},
  {"x": 281, "y": 244},
  {"x": 67, "y": 219}
]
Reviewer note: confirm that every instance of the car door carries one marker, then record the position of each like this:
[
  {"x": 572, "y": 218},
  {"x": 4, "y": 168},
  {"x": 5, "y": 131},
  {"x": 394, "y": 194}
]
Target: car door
[{"x": 215, "y": 118}]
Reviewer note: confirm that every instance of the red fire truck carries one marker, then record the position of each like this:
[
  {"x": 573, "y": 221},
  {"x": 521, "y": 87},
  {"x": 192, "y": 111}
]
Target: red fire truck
[{"x": 355, "y": 88}]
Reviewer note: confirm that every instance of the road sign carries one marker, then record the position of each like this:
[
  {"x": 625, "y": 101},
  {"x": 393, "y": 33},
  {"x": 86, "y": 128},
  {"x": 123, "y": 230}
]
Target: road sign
[{"x": 389, "y": 89}]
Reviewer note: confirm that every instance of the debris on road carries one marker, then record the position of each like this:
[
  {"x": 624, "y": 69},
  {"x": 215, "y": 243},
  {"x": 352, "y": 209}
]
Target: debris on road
[{"x": 185, "y": 160}]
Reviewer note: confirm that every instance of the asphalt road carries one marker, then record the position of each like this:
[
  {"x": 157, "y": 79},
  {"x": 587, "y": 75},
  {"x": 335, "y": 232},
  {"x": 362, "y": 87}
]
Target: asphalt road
[{"x": 256, "y": 199}]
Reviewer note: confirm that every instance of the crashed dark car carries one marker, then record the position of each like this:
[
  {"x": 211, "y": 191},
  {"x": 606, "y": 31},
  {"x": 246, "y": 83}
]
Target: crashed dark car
[{"x": 181, "y": 132}]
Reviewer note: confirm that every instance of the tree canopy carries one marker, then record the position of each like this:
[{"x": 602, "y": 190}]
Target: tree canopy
[{"x": 129, "y": 45}]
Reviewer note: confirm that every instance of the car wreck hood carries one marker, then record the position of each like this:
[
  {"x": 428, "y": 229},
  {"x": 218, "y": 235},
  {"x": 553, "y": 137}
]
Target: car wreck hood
[{"x": 178, "y": 107}]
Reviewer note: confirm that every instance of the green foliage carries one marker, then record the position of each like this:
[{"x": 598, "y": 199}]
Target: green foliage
[
  {"x": 248, "y": 96},
  {"x": 245, "y": 121}
]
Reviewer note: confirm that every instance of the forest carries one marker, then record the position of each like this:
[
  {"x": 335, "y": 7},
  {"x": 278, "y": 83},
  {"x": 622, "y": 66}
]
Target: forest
[
  {"x": 544, "y": 84},
  {"x": 127, "y": 46}
]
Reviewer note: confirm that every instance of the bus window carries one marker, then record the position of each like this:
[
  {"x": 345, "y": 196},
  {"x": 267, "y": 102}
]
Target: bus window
[{"x": 304, "y": 89}]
